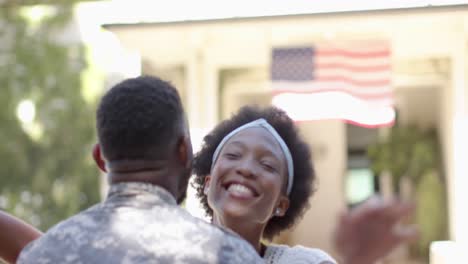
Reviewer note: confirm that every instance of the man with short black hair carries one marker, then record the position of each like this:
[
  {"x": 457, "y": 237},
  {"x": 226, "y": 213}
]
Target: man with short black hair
[{"x": 146, "y": 150}]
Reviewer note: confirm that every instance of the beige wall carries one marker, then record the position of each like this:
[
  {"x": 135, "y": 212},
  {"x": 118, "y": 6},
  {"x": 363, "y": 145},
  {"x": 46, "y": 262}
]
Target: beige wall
[{"x": 327, "y": 139}]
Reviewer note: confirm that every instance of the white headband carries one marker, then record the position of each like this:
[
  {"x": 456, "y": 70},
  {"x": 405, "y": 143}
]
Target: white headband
[{"x": 261, "y": 123}]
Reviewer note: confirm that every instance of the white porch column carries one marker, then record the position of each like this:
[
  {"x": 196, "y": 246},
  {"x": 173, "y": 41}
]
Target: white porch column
[
  {"x": 458, "y": 179},
  {"x": 193, "y": 80},
  {"x": 210, "y": 87}
]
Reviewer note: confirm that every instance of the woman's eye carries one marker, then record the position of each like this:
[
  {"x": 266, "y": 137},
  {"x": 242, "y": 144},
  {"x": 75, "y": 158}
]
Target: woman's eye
[
  {"x": 232, "y": 155},
  {"x": 269, "y": 167}
]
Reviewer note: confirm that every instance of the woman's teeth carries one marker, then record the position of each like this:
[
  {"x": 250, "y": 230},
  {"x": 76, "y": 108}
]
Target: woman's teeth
[{"x": 240, "y": 190}]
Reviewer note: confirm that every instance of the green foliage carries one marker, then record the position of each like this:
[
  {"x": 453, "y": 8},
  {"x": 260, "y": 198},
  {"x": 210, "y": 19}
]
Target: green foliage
[
  {"x": 408, "y": 151},
  {"x": 414, "y": 153},
  {"x": 47, "y": 173},
  {"x": 431, "y": 212}
]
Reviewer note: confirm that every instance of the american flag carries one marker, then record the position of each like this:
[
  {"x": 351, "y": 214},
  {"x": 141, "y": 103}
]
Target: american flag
[{"x": 350, "y": 81}]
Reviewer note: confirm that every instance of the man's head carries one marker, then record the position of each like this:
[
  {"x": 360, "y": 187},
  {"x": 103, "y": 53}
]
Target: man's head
[{"x": 141, "y": 121}]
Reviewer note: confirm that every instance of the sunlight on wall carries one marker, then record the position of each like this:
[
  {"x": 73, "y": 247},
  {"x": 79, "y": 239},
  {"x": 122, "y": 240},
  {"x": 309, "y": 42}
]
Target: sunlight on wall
[
  {"x": 169, "y": 11},
  {"x": 334, "y": 105},
  {"x": 359, "y": 185},
  {"x": 459, "y": 193},
  {"x": 108, "y": 61},
  {"x": 447, "y": 252}
]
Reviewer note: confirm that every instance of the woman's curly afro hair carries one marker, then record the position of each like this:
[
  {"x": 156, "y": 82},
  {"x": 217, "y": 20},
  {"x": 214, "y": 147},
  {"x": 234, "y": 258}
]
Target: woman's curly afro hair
[{"x": 304, "y": 175}]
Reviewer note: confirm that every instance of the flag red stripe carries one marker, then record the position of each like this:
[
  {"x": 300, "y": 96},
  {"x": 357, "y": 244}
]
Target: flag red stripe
[
  {"x": 383, "y": 95},
  {"x": 347, "y": 120},
  {"x": 372, "y": 83},
  {"x": 386, "y": 124},
  {"x": 352, "y": 68},
  {"x": 352, "y": 54}
]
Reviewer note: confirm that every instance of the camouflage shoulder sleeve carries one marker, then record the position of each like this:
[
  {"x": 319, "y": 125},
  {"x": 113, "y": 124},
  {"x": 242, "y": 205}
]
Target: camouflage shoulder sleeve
[{"x": 236, "y": 250}]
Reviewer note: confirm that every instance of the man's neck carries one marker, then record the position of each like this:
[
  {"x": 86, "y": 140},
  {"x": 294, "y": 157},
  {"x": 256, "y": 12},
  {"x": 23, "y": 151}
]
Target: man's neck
[{"x": 155, "y": 173}]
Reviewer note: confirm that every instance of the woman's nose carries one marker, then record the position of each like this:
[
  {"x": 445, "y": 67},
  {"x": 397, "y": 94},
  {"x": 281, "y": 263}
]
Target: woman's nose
[{"x": 246, "y": 168}]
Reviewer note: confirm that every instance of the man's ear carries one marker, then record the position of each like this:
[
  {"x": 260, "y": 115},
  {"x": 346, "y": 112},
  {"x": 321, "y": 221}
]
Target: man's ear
[
  {"x": 184, "y": 151},
  {"x": 98, "y": 158}
]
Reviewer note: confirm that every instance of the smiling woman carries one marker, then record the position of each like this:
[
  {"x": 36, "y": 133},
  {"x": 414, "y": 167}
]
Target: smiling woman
[
  {"x": 254, "y": 175},
  {"x": 250, "y": 178}
]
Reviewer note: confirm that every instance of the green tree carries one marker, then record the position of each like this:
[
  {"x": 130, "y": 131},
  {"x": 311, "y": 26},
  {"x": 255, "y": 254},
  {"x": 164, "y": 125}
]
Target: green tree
[
  {"x": 47, "y": 173},
  {"x": 412, "y": 152}
]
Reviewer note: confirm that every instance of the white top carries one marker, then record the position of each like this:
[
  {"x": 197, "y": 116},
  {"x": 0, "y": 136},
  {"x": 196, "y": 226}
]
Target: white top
[{"x": 282, "y": 254}]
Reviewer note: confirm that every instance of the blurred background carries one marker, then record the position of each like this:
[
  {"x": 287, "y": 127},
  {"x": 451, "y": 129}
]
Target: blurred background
[{"x": 378, "y": 88}]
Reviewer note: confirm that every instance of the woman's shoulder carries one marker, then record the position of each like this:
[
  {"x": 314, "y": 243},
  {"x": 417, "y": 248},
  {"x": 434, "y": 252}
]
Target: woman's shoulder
[{"x": 278, "y": 254}]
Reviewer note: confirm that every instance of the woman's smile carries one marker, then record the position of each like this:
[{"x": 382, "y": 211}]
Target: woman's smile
[{"x": 240, "y": 191}]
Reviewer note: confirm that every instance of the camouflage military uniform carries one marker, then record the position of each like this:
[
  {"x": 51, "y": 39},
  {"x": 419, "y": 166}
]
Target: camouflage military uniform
[{"x": 138, "y": 223}]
